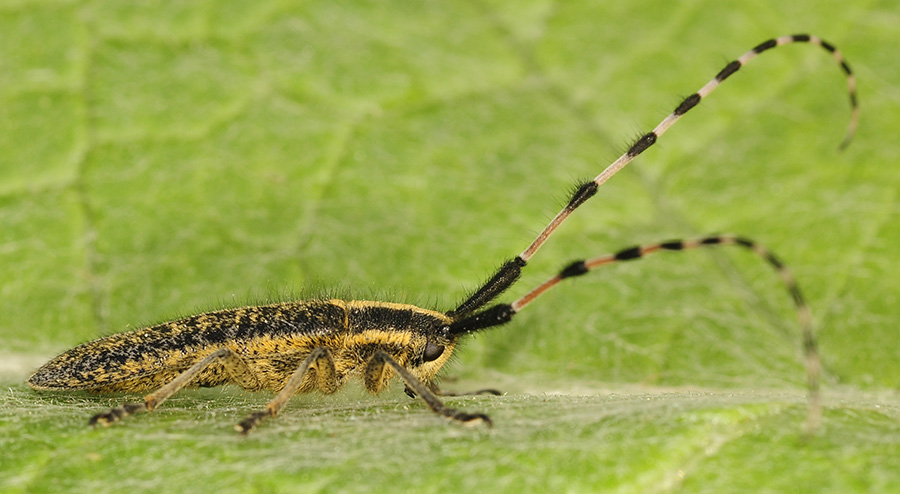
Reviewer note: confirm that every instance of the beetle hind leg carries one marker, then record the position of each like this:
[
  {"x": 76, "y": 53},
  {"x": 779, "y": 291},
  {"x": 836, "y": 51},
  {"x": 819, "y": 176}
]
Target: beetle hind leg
[
  {"x": 115, "y": 414},
  {"x": 235, "y": 366}
]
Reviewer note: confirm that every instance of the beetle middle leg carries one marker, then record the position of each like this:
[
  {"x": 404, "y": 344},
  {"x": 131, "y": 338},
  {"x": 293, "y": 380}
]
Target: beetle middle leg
[{"x": 319, "y": 361}]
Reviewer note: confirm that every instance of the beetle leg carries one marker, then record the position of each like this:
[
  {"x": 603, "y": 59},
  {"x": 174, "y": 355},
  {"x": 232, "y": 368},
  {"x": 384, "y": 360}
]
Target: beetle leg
[
  {"x": 319, "y": 361},
  {"x": 235, "y": 366},
  {"x": 374, "y": 379}
]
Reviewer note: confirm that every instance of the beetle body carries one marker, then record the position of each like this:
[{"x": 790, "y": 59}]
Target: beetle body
[
  {"x": 297, "y": 347},
  {"x": 273, "y": 340}
]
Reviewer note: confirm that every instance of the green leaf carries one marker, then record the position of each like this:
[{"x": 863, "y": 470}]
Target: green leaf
[{"x": 166, "y": 158}]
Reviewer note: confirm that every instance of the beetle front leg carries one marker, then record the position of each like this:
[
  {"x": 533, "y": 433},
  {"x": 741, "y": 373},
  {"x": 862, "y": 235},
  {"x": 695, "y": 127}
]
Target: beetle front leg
[{"x": 374, "y": 380}]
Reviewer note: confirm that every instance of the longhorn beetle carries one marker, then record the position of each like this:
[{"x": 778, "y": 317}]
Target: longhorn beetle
[{"x": 302, "y": 346}]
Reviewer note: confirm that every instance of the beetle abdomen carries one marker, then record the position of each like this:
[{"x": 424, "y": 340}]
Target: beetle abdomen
[{"x": 155, "y": 354}]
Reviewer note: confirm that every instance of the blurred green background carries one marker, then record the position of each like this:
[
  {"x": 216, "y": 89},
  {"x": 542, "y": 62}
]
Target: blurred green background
[{"x": 163, "y": 158}]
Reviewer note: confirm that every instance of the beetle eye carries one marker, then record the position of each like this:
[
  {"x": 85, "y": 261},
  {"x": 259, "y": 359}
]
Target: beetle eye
[{"x": 432, "y": 351}]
